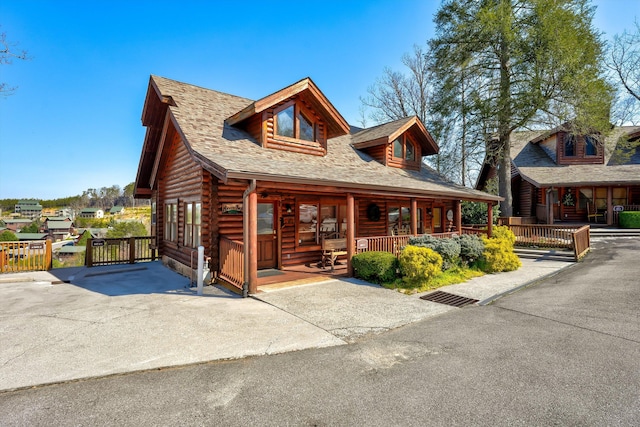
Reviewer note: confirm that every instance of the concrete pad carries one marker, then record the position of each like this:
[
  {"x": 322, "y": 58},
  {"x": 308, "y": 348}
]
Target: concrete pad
[
  {"x": 118, "y": 323},
  {"x": 350, "y": 308}
]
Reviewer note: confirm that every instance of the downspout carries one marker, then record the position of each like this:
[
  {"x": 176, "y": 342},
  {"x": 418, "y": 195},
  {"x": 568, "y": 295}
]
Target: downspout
[{"x": 245, "y": 232}]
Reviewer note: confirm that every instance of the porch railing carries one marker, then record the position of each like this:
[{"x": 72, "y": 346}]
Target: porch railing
[
  {"x": 394, "y": 244},
  {"x": 120, "y": 250},
  {"x": 576, "y": 238},
  {"x": 232, "y": 262},
  {"x": 25, "y": 256}
]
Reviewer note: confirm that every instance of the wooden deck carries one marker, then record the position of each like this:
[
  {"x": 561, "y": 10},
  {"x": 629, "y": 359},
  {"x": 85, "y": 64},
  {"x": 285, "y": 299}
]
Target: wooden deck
[{"x": 298, "y": 275}]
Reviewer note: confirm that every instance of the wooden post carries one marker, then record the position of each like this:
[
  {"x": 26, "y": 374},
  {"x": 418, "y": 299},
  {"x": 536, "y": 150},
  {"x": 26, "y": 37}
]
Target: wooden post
[
  {"x": 458, "y": 216},
  {"x": 609, "y": 205},
  {"x": 414, "y": 217},
  {"x": 132, "y": 250},
  {"x": 48, "y": 258},
  {"x": 252, "y": 243},
  {"x": 88, "y": 258},
  {"x": 489, "y": 219},
  {"x": 351, "y": 232}
]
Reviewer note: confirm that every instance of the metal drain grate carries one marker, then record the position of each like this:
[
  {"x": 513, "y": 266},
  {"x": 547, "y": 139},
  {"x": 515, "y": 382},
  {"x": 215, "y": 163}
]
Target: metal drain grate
[{"x": 448, "y": 299}]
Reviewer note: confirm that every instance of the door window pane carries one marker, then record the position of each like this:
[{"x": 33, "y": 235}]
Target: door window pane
[{"x": 265, "y": 218}]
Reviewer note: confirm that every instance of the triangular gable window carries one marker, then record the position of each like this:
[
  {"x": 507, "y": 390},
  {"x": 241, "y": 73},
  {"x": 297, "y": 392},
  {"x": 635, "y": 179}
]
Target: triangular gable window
[
  {"x": 403, "y": 149},
  {"x": 292, "y": 123}
]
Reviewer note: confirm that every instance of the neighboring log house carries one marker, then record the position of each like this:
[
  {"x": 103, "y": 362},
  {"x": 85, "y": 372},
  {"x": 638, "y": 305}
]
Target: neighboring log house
[
  {"x": 269, "y": 178},
  {"x": 560, "y": 176}
]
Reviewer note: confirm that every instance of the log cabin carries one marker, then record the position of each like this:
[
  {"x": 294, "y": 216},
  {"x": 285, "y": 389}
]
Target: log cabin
[
  {"x": 560, "y": 175},
  {"x": 259, "y": 183}
]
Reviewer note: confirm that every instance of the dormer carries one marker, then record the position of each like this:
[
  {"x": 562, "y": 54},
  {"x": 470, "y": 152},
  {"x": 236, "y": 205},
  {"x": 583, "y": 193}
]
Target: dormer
[
  {"x": 568, "y": 148},
  {"x": 400, "y": 144},
  {"x": 298, "y": 118}
]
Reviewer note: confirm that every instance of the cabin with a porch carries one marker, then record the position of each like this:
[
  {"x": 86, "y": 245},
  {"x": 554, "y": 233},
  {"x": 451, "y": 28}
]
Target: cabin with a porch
[
  {"x": 561, "y": 176},
  {"x": 264, "y": 184}
]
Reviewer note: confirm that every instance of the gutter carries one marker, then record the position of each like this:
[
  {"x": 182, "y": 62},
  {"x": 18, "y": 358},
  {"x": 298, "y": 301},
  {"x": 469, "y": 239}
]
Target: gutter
[{"x": 245, "y": 231}]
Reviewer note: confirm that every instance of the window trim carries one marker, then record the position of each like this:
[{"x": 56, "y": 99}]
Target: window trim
[
  {"x": 192, "y": 228},
  {"x": 298, "y": 111},
  {"x": 404, "y": 140},
  {"x": 171, "y": 221}
]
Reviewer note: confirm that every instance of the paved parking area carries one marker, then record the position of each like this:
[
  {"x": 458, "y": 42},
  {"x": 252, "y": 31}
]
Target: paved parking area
[{"x": 118, "y": 319}]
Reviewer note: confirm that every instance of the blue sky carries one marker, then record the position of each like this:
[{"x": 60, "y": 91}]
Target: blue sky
[{"x": 74, "y": 121}]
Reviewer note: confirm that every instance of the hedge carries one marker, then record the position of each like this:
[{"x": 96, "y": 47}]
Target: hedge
[
  {"x": 629, "y": 219},
  {"x": 375, "y": 267}
]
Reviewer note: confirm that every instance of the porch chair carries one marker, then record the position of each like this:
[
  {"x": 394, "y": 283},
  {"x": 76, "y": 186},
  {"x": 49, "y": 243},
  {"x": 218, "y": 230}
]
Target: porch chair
[{"x": 592, "y": 212}]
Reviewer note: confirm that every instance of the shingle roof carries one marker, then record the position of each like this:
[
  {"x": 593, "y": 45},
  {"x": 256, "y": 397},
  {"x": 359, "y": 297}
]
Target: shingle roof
[
  {"x": 535, "y": 165},
  {"x": 231, "y": 153},
  {"x": 58, "y": 225},
  {"x": 31, "y": 236}
]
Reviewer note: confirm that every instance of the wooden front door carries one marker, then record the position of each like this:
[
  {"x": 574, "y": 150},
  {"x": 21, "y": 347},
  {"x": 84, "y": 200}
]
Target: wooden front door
[
  {"x": 437, "y": 220},
  {"x": 267, "y": 237}
]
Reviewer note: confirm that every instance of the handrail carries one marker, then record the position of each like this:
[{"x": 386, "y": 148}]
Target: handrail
[
  {"x": 232, "y": 262},
  {"x": 581, "y": 241},
  {"x": 120, "y": 250}
]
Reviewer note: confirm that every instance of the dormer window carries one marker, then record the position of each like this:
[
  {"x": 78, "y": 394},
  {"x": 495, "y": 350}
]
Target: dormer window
[
  {"x": 292, "y": 122},
  {"x": 590, "y": 146},
  {"x": 404, "y": 149},
  {"x": 570, "y": 146}
]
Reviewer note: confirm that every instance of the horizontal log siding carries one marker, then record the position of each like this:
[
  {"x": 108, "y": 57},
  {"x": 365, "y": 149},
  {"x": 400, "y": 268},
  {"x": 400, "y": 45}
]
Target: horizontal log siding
[
  {"x": 580, "y": 157},
  {"x": 526, "y": 198},
  {"x": 180, "y": 178},
  {"x": 230, "y": 226},
  {"x": 366, "y": 227},
  {"x": 378, "y": 152}
]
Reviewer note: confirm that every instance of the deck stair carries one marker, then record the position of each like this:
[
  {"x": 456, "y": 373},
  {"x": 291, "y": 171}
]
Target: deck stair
[
  {"x": 545, "y": 254},
  {"x": 602, "y": 232}
]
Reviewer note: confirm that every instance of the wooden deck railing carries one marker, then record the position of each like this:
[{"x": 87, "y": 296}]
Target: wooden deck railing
[
  {"x": 232, "y": 262},
  {"x": 122, "y": 250},
  {"x": 25, "y": 256},
  {"x": 392, "y": 244},
  {"x": 576, "y": 238}
]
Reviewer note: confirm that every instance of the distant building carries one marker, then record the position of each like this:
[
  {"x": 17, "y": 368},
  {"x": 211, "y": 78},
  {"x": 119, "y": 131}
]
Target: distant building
[
  {"x": 91, "y": 213},
  {"x": 29, "y": 209},
  {"x": 66, "y": 213},
  {"x": 58, "y": 230},
  {"x": 117, "y": 210},
  {"x": 16, "y": 224}
]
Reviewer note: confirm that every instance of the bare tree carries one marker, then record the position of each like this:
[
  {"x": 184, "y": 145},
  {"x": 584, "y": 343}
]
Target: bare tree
[
  {"x": 624, "y": 62},
  {"x": 7, "y": 55}
]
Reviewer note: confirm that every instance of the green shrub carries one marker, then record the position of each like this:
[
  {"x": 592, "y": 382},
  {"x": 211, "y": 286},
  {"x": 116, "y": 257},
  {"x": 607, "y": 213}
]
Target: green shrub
[
  {"x": 449, "y": 249},
  {"x": 375, "y": 267},
  {"x": 8, "y": 236},
  {"x": 471, "y": 247},
  {"x": 419, "y": 264},
  {"x": 498, "y": 252},
  {"x": 629, "y": 219}
]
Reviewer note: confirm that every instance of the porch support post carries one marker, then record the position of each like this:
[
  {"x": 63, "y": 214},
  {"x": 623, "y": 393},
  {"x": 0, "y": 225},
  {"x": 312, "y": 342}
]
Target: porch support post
[
  {"x": 252, "y": 241},
  {"x": 351, "y": 232},
  {"x": 458, "y": 215},
  {"x": 414, "y": 217},
  {"x": 609, "y": 205},
  {"x": 489, "y": 219}
]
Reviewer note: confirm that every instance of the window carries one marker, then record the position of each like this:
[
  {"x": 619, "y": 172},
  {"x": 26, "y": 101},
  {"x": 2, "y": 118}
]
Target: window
[
  {"x": 171, "y": 222},
  {"x": 404, "y": 149},
  {"x": 586, "y": 197},
  {"x": 307, "y": 224},
  {"x": 291, "y": 122},
  {"x": 590, "y": 146},
  {"x": 192, "y": 224},
  {"x": 601, "y": 198},
  {"x": 619, "y": 196},
  {"x": 569, "y": 145},
  {"x": 399, "y": 221}
]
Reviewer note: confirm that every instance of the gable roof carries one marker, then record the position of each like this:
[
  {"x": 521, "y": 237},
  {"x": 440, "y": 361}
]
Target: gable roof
[
  {"x": 535, "y": 165},
  {"x": 200, "y": 117},
  {"x": 388, "y": 132},
  {"x": 58, "y": 225},
  {"x": 336, "y": 124}
]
